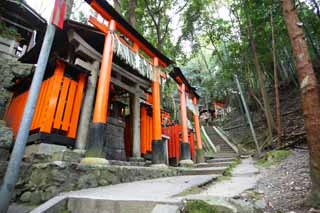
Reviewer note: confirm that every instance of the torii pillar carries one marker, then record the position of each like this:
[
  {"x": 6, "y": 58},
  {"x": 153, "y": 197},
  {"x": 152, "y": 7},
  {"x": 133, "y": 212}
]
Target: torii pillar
[
  {"x": 199, "y": 151},
  {"x": 184, "y": 145},
  {"x": 158, "y": 146},
  {"x": 98, "y": 128}
]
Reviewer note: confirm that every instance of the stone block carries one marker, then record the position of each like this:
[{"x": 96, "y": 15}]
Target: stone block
[
  {"x": 4, "y": 154},
  {"x": 6, "y": 136},
  {"x": 94, "y": 161},
  {"x": 67, "y": 155},
  {"x": 43, "y": 149}
]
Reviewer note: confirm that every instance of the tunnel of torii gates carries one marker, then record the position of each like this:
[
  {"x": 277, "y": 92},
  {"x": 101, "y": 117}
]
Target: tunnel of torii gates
[{"x": 75, "y": 111}]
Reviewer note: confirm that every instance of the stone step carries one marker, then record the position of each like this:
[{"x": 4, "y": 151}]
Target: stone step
[
  {"x": 216, "y": 164},
  {"x": 156, "y": 195},
  {"x": 227, "y": 151},
  {"x": 225, "y": 155},
  {"x": 216, "y": 160},
  {"x": 161, "y": 208},
  {"x": 202, "y": 171}
]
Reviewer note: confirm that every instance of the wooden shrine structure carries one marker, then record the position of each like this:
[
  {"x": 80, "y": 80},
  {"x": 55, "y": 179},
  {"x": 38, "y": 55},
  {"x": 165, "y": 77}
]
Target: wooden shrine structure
[{"x": 101, "y": 93}]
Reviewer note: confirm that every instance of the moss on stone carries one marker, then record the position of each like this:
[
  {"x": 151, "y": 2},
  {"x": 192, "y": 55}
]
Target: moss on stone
[
  {"x": 199, "y": 206},
  {"x": 189, "y": 191},
  {"x": 228, "y": 171},
  {"x": 273, "y": 157}
]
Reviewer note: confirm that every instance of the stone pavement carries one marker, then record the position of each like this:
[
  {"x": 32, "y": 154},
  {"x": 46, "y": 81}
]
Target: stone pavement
[
  {"x": 128, "y": 197},
  {"x": 244, "y": 177}
]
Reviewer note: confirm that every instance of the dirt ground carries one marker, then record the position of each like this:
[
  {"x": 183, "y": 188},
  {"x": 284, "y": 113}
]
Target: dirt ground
[{"x": 285, "y": 186}]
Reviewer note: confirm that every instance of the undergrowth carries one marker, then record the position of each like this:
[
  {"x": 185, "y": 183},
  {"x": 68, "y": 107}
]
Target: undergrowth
[{"x": 273, "y": 157}]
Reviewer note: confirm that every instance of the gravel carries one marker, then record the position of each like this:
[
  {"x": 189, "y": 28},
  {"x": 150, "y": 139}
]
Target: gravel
[{"x": 285, "y": 186}]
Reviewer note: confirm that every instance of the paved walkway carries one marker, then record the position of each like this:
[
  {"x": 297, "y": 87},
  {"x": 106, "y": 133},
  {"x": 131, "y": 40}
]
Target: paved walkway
[
  {"x": 164, "y": 190},
  {"x": 149, "y": 190},
  {"x": 244, "y": 177}
]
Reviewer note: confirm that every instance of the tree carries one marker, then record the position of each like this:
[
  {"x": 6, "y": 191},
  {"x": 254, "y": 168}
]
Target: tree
[
  {"x": 132, "y": 13},
  {"x": 117, "y": 6},
  {"x": 276, "y": 79},
  {"x": 261, "y": 78},
  {"x": 158, "y": 14},
  {"x": 309, "y": 93}
]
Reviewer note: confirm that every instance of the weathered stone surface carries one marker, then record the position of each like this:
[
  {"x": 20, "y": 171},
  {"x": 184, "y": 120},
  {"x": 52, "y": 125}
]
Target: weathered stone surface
[
  {"x": 6, "y": 136},
  {"x": 45, "y": 180},
  {"x": 4, "y": 154},
  {"x": 114, "y": 146},
  {"x": 26, "y": 197},
  {"x": 6, "y": 140},
  {"x": 9, "y": 70},
  {"x": 243, "y": 206},
  {"x": 43, "y": 149},
  {"x": 67, "y": 155}
]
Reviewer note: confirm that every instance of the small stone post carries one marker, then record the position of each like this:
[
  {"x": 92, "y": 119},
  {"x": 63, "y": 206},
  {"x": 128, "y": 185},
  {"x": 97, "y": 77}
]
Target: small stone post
[
  {"x": 136, "y": 153},
  {"x": 84, "y": 123}
]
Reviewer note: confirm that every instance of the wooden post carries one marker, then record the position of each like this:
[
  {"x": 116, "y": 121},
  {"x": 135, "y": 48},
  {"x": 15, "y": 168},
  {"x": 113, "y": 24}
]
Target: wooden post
[
  {"x": 247, "y": 114},
  {"x": 157, "y": 143},
  {"x": 185, "y": 146},
  {"x": 100, "y": 112},
  {"x": 199, "y": 150}
]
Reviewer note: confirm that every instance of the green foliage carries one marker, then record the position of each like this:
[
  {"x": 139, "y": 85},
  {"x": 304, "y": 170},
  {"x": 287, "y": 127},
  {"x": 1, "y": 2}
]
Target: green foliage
[
  {"x": 220, "y": 44},
  {"x": 199, "y": 206},
  {"x": 9, "y": 32},
  {"x": 273, "y": 157}
]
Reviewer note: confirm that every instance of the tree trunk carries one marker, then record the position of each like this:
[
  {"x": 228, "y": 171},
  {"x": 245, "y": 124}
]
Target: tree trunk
[
  {"x": 116, "y": 5},
  {"x": 309, "y": 94},
  {"x": 276, "y": 82},
  {"x": 69, "y": 9},
  {"x": 132, "y": 13},
  {"x": 261, "y": 78},
  {"x": 174, "y": 107}
]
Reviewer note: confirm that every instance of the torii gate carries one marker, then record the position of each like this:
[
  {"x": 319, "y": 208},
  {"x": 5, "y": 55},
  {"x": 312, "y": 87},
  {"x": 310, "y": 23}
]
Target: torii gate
[
  {"x": 117, "y": 23},
  {"x": 186, "y": 90}
]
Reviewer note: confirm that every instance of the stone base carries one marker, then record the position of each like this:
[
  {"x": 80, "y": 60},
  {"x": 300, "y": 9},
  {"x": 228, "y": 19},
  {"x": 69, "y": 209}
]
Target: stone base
[
  {"x": 185, "y": 151},
  {"x": 199, "y": 156},
  {"x": 94, "y": 161},
  {"x": 186, "y": 163},
  {"x": 96, "y": 141},
  {"x": 43, "y": 149},
  {"x": 158, "y": 152}
]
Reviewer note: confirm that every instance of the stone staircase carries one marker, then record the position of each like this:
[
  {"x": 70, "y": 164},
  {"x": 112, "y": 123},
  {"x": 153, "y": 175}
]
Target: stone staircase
[
  {"x": 222, "y": 146},
  {"x": 159, "y": 195},
  {"x": 214, "y": 166},
  {"x": 216, "y": 163},
  {"x": 156, "y": 196}
]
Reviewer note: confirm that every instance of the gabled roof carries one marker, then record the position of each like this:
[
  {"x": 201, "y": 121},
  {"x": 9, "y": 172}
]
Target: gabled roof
[
  {"x": 111, "y": 13},
  {"x": 25, "y": 19},
  {"x": 178, "y": 76}
]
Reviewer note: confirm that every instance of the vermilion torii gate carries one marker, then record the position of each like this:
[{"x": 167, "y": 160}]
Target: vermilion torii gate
[
  {"x": 138, "y": 43},
  {"x": 187, "y": 91}
]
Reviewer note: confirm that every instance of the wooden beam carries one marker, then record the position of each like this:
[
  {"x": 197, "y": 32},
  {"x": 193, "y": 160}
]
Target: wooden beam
[
  {"x": 84, "y": 49},
  {"x": 130, "y": 89}
]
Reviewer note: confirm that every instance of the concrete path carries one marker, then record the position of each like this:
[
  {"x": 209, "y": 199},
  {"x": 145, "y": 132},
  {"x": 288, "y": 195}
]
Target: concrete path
[
  {"x": 244, "y": 176},
  {"x": 161, "y": 189},
  {"x": 140, "y": 196}
]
